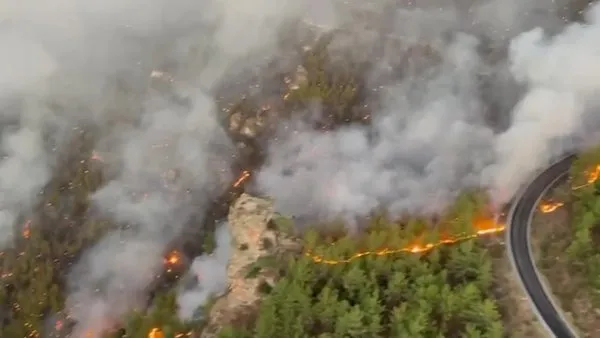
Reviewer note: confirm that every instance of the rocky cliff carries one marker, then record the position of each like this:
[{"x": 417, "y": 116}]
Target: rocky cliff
[{"x": 252, "y": 237}]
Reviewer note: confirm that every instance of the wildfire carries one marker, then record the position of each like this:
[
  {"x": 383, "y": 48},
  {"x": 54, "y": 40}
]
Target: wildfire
[
  {"x": 550, "y": 206},
  {"x": 484, "y": 226},
  {"x": 156, "y": 333},
  {"x": 173, "y": 258},
  {"x": 241, "y": 179},
  {"x": 592, "y": 176},
  {"x": 26, "y": 229}
]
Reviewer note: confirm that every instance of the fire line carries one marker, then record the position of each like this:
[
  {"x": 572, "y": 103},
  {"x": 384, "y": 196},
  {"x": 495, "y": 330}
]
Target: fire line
[
  {"x": 486, "y": 227},
  {"x": 545, "y": 207}
]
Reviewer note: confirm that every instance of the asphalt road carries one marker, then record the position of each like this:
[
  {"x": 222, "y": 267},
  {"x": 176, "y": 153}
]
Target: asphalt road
[{"x": 519, "y": 249}]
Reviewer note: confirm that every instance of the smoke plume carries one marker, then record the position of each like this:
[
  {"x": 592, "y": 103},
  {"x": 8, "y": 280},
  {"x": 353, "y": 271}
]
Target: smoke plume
[
  {"x": 24, "y": 161},
  {"x": 563, "y": 83},
  {"x": 427, "y": 143},
  {"x": 69, "y": 64},
  {"x": 173, "y": 158},
  {"x": 432, "y": 138},
  {"x": 475, "y": 118},
  {"x": 210, "y": 272}
]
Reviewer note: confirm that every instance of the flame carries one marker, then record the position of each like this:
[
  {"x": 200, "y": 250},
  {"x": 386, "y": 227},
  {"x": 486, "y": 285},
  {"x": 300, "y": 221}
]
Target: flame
[
  {"x": 155, "y": 333},
  {"x": 26, "y": 229},
  {"x": 174, "y": 257},
  {"x": 550, "y": 206},
  {"x": 484, "y": 226},
  {"x": 592, "y": 175},
  {"x": 241, "y": 179}
]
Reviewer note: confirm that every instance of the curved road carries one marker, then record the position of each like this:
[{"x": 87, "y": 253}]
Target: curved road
[{"x": 519, "y": 249}]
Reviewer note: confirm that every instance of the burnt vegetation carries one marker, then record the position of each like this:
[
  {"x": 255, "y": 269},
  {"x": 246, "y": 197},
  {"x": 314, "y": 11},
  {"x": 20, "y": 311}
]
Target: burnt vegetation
[{"x": 443, "y": 293}]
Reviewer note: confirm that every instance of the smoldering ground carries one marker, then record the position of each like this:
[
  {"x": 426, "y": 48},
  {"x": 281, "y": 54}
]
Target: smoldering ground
[{"x": 70, "y": 64}]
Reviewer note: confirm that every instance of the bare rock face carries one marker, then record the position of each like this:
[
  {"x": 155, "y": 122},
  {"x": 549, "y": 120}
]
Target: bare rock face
[{"x": 248, "y": 224}]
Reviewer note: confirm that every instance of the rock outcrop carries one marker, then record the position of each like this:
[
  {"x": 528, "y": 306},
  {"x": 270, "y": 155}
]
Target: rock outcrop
[{"x": 252, "y": 238}]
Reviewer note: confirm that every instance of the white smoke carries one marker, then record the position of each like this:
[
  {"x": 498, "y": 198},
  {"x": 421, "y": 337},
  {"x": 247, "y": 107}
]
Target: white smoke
[
  {"x": 427, "y": 144},
  {"x": 563, "y": 83},
  {"x": 172, "y": 160},
  {"x": 431, "y": 140},
  {"x": 211, "y": 273},
  {"x": 66, "y": 63},
  {"x": 24, "y": 162},
  {"x": 169, "y": 166}
]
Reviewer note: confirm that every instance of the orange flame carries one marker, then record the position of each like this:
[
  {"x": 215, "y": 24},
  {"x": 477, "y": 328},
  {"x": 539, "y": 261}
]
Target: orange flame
[
  {"x": 26, "y": 229},
  {"x": 592, "y": 175},
  {"x": 241, "y": 179},
  {"x": 173, "y": 258},
  {"x": 156, "y": 333},
  {"x": 550, "y": 206},
  {"x": 484, "y": 226}
]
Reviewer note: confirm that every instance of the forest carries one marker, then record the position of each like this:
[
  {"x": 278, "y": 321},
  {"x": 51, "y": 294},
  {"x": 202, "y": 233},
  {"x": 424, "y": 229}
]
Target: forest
[
  {"x": 396, "y": 279},
  {"x": 413, "y": 277},
  {"x": 445, "y": 292},
  {"x": 564, "y": 242},
  {"x": 582, "y": 205}
]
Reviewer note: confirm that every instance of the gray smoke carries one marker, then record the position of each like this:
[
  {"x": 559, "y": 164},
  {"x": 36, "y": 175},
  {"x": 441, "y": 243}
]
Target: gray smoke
[
  {"x": 70, "y": 64},
  {"x": 560, "y": 103},
  {"x": 210, "y": 272},
  {"x": 67, "y": 64},
  {"x": 24, "y": 162},
  {"x": 168, "y": 170},
  {"x": 174, "y": 157},
  {"x": 431, "y": 139},
  {"x": 426, "y": 144}
]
